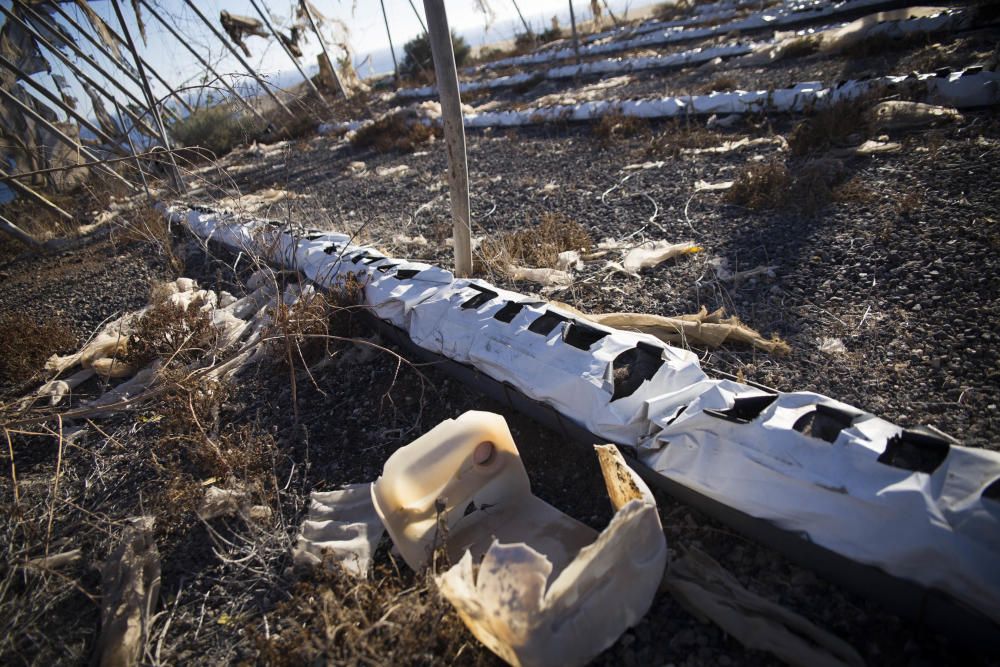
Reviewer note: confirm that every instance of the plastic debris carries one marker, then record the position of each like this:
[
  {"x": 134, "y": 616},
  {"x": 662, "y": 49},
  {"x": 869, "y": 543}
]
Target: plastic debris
[
  {"x": 341, "y": 526},
  {"x": 708, "y": 591},
  {"x": 653, "y": 253},
  {"x": 702, "y": 328},
  {"x": 901, "y": 115},
  {"x": 831, "y": 346},
  {"x": 705, "y": 186},
  {"x": 549, "y": 589},
  {"x": 222, "y": 502},
  {"x": 545, "y": 277},
  {"x": 130, "y": 585}
]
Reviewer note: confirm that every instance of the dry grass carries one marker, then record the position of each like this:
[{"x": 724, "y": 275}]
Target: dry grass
[
  {"x": 175, "y": 334},
  {"x": 616, "y": 126},
  {"x": 396, "y": 618},
  {"x": 841, "y": 124},
  {"x": 805, "y": 189},
  {"x": 25, "y": 344},
  {"x": 761, "y": 186},
  {"x": 394, "y": 132},
  {"x": 719, "y": 84},
  {"x": 537, "y": 246}
]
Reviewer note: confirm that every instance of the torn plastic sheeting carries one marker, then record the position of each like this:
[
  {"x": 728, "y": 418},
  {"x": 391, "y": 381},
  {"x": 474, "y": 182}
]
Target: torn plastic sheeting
[
  {"x": 541, "y": 593},
  {"x": 818, "y": 467},
  {"x": 766, "y": 20},
  {"x": 670, "y": 399},
  {"x": 130, "y": 585},
  {"x": 341, "y": 526},
  {"x": 652, "y": 253},
  {"x": 709, "y": 592}
]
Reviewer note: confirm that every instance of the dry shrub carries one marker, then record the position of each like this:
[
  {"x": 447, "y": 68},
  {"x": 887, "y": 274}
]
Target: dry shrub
[
  {"x": 671, "y": 137},
  {"x": 305, "y": 331},
  {"x": 830, "y": 127},
  {"x": 616, "y": 126},
  {"x": 537, "y": 246},
  {"x": 854, "y": 190},
  {"x": 393, "y": 619},
  {"x": 805, "y": 189},
  {"x": 144, "y": 224},
  {"x": 799, "y": 48},
  {"x": 394, "y": 132},
  {"x": 25, "y": 344},
  {"x": 170, "y": 332},
  {"x": 719, "y": 84},
  {"x": 761, "y": 185}
]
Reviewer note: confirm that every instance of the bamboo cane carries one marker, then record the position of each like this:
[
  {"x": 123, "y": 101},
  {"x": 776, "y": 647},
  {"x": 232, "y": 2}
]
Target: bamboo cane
[
  {"x": 576, "y": 37},
  {"x": 9, "y": 228},
  {"x": 392, "y": 49}
]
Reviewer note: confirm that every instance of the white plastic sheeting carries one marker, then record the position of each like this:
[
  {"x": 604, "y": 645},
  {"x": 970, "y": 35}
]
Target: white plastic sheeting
[
  {"x": 910, "y": 503},
  {"x": 767, "y": 20}
]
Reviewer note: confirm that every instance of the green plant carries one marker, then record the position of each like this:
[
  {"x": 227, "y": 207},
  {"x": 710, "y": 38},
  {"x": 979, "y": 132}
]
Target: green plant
[
  {"x": 216, "y": 129},
  {"x": 419, "y": 57}
]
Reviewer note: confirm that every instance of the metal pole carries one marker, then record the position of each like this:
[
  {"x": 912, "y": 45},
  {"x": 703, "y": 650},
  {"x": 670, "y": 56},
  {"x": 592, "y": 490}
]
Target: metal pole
[
  {"x": 76, "y": 69},
  {"x": 32, "y": 194},
  {"x": 610, "y": 13},
  {"x": 576, "y": 38},
  {"x": 204, "y": 63},
  {"x": 153, "y": 106},
  {"x": 454, "y": 132},
  {"x": 56, "y": 100},
  {"x": 131, "y": 147},
  {"x": 73, "y": 47},
  {"x": 419, "y": 18},
  {"x": 274, "y": 33},
  {"x": 392, "y": 49},
  {"x": 322, "y": 44},
  {"x": 11, "y": 229},
  {"x": 38, "y": 118},
  {"x": 90, "y": 38},
  {"x": 240, "y": 58},
  {"x": 527, "y": 28}
]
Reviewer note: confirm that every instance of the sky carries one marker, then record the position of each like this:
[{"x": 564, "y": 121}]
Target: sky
[{"x": 363, "y": 18}]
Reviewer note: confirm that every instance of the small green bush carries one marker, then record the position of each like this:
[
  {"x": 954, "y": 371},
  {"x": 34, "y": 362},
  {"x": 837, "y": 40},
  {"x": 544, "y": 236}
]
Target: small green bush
[
  {"x": 419, "y": 56},
  {"x": 217, "y": 129}
]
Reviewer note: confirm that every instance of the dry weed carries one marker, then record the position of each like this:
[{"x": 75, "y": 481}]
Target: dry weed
[
  {"x": 616, "y": 126},
  {"x": 761, "y": 186},
  {"x": 25, "y": 344},
  {"x": 394, "y": 132},
  {"x": 841, "y": 124},
  {"x": 394, "y": 619},
  {"x": 538, "y": 246},
  {"x": 170, "y": 332},
  {"x": 719, "y": 84}
]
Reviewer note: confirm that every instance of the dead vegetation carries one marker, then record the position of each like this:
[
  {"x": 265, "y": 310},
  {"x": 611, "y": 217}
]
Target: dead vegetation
[
  {"x": 394, "y": 132},
  {"x": 25, "y": 344},
  {"x": 842, "y": 124},
  {"x": 616, "y": 126},
  {"x": 805, "y": 188},
  {"x": 536, "y": 246},
  {"x": 397, "y": 617}
]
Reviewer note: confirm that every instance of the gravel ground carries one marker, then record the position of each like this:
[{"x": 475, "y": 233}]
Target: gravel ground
[{"x": 904, "y": 272}]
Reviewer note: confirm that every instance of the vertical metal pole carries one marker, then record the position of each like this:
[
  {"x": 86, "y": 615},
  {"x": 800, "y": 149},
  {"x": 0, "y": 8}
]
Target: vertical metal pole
[
  {"x": 576, "y": 38},
  {"x": 309, "y": 82},
  {"x": 131, "y": 147},
  {"x": 392, "y": 49},
  {"x": 204, "y": 63},
  {"x": 151, "y": 100},
  {"x": 100, "y": 47},
  {"x": 232, "y": 50},
  {"x": 32, "y": 194},
  {"x": 322, "y": 44},
  {"x": 60, "y": 135},
  {"x": 454, "y": 132},
  {"x": 610, "y": 13}
]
